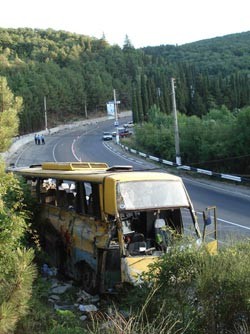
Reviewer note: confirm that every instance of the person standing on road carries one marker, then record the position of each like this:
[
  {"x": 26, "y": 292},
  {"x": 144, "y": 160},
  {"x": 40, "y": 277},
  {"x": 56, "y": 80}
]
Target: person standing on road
[
  {"x": 42, "y": 139},
  {"x": 35, "y": 139},
  {"x": 38, "y": 139}
]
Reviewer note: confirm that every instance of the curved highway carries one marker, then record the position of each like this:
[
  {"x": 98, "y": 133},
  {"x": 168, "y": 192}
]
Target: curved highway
[{"x": 85, "y": 144}]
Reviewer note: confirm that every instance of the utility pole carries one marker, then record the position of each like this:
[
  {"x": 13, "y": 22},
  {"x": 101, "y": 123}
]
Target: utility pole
[
  {"x": 176, "y": 131},
  {"x": 85, "y": 108},
  {"x": 45, "y": 114},
  {"x": 116, "y": 118}
]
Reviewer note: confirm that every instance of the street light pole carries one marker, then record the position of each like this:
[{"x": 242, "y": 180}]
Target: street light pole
[
  {"x": 176, "y": 131},
  {"x": 116, "y": 118}
]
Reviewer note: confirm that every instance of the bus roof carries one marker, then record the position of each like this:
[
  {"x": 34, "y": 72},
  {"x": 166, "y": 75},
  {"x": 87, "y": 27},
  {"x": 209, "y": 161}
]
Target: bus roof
[{"x": 91, "y": 171}]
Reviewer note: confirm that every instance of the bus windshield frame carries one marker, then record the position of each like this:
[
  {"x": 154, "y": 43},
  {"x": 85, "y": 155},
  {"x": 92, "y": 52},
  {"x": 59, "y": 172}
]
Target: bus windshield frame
[{"x": 151, "y": 194}]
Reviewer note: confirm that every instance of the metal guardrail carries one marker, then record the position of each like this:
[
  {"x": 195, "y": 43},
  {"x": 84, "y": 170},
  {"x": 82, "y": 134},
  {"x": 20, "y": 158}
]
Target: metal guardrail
[{"x": 229, "y": 177}]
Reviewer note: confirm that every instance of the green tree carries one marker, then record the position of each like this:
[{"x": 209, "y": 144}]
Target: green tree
[
  {"x": 17, "y": 272},
  {"x": 139, "y": 102},
  {"x": 240, "y": 141},
  {"x": 134, "y": 106},
  {"x": 144, "y": 94},
  {"x": 156, "y": 136},
  {"x": 10, "y": 106},
  {"x": 127, "y": 43},
  {"x": 191, "y": 131}
]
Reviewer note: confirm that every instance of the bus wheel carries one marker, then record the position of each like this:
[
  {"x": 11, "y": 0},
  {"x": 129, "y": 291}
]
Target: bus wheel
[{"x": 88, "y": 279}]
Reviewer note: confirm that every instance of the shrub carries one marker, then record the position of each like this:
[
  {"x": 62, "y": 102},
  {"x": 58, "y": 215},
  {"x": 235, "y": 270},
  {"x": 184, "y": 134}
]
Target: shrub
[{"x": 207, "y": 294}]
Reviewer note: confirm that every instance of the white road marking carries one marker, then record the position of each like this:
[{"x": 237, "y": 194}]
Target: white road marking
[
  {"x": 228, "y": 222},
  {"x": 53, "y": 151},
  {"x": 234, "y": 224},
  {"x": 20, "y": 155},
  {"x": 73, "y": 149},
  {"x": 74, "y": 141}
]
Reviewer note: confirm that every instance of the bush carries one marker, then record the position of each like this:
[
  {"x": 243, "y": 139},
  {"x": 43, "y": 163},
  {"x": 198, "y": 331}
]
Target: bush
[
  {"x": 217, "y": 141},
  {"x": 207, "y": 294},
  {"x": 223, "y": 289}
]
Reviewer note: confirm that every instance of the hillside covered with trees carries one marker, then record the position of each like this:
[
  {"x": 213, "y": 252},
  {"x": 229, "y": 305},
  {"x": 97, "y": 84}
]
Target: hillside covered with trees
[
  {"x": 77, "y": 74},
  {"x": 74, "y": 70}
]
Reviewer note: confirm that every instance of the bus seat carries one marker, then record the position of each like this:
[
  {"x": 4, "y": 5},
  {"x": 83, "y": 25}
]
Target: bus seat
[
  {"x": 137, "y": 244},
  {"x": 50, "y": 196},
  {"x": 71, "y": 200},
  {"x": 62, "y": 199}
]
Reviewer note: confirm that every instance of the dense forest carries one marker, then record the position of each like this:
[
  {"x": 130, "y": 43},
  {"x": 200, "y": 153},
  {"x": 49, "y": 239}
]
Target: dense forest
[
  {"x": 75, "y": 71},
  {"x": 78, "y": 73}
]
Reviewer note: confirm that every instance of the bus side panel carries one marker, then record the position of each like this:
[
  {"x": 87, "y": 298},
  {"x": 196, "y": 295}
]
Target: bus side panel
[
  {"x": 50, "y": 237},
  {"x": 88, "y": 235},
  {"x": 70, "y": 238}
]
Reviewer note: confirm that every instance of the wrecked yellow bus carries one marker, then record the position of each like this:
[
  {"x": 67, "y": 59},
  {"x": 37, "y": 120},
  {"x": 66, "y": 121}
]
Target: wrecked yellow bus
[{"x": 104, "y": 225}]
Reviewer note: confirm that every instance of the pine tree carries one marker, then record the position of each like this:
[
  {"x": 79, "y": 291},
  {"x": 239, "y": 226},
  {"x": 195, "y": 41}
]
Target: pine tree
[
  {"x": 144, "y": 94},
  {"x": 17, "y": 272},
  {"x": 139, "y": 102},
  {"x": 10, "y": 106},
  {"x": 134, "y": 106},
  {"x": 127, "y": 43}
]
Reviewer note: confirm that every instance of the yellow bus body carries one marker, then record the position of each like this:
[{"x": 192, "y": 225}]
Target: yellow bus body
[{"x": 105, "y": 225}]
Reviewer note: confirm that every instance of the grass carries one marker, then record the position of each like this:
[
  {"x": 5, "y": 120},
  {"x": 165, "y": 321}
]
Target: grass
[
  {"x": 136, "y": 322},
  {"x": 42, "y": 318}
]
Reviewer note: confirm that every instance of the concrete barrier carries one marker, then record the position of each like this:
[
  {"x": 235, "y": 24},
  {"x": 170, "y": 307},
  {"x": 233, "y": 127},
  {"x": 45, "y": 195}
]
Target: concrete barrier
[{"x": 20, "y": 141}]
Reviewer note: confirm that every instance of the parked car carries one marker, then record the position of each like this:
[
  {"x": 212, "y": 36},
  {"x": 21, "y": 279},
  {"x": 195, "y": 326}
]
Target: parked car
[
  {"x": 125, "y": 133},
  {"x": 121, "y": 129},
  {"x": 107, "y": 136},
  {"x": 128, "y": 125}
]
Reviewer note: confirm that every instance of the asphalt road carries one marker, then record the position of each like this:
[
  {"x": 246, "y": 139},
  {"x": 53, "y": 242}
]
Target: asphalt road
[{"x": 85, "y": 144}]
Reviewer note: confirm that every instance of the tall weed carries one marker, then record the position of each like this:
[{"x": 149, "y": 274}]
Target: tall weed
[{"x": 139, "y": 323}]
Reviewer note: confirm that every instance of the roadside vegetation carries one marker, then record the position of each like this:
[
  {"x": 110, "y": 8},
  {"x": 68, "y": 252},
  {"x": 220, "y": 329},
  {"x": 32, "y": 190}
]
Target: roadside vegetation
[
  {"x": 17, "y": 270},
  {"x": 186, "y": 292},
  {"x": 217, "y": 141},
  {"x": 205, "y": 293},
  {"x": 9, "y": 118}
]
